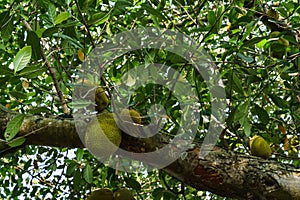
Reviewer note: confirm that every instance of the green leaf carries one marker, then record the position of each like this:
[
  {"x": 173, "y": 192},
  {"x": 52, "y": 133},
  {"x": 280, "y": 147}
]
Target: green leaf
[
  {"x": 7, "y": 29},
  {"x": 153, "y": 11},
  {"x": 238, "y": 84},
  {"x": 247, "y": 127},
  {"x": 211, "y": 17},
  {"x": 158, "y": 193},
  {"x": 242, "y": 111},
  {"x": 3, "y": 108},
  {"x": 32, "y": 71},
  {"x": 79, "y": 154},
  {"x": 245, "y": 58},
  {"x": 231, "y": 116},
  {"x": 249, "y": 28},
  {"x": 49, "y": 32},
  {"x": 13, "y": 127},
  {"x": 16, "y": 142},
  {"x": 2, "y": 47},
  {"x": 51, "y": 13},
  {"x": 6, "y": 24},
  {"x": 34, "y": 41},
  {"x": 278, "y": 101},
  {"x": 169, "y": 195},
  {"x": 22, "y": 58},
  {"x": 73, "y": 42},
  {"x": 252, "y": 41},
  {"x": 61, "y": 17},
  {"x": 4, "y": 18},
  {"x": 71, "y": 167},
  {"x": 39, "y": 110},
  {"x": 77, "y": 179},
  {"x": 88, "y": 174},
  {"x": 261, "y": 113},
  {"x": 39, "y": 32},
  {"x": 121, "y": 5},
  {"x": 132, "y": 183},
  {"x": 99, "y": 18},
  {"x": 174, "y": 58},
  {"x": 6, "y": 72},
  {"x": 242, "y": 117},
  {"x": 18, "y": 94}
]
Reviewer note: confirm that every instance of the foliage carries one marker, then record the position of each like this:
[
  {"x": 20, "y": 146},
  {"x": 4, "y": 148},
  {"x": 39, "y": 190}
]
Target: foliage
[{"x": 43, "y": 43}]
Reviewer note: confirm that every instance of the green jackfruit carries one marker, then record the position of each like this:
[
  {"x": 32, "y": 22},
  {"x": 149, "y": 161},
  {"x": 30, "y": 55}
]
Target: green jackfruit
[
  {"x": 106, "y": 142},
  {"x": 259, "y": 147},
  {"x": 87, "y": 90},
  {"x": 100, "y": 99},
  {"x": 123, "y": 194},
  {"x": 101, "y": 194},
  {"x": 278, "y": 45},
  {"x": 135, "y": 116}
]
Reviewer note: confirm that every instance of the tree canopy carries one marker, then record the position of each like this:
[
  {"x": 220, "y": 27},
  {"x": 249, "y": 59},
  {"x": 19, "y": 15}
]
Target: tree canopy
[{"x": 253, "y": 46}]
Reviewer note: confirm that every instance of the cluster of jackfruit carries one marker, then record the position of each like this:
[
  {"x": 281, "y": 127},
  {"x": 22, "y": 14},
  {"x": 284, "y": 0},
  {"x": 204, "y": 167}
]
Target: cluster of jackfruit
[
  {"x": 108, "y": 194},
  {"x": 103, "y": 136}
]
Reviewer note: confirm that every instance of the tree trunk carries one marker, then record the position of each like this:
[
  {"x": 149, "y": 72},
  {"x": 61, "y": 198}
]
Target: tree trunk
[{"x": 225, "y": 173}]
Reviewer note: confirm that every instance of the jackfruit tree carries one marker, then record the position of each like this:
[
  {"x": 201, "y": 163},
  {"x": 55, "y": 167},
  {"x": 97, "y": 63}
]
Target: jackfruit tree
[{"x": 149, "y": 99}]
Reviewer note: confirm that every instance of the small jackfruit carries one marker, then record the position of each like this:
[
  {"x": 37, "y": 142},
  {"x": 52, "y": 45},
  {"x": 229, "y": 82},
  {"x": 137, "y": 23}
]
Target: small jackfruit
[
  {"x": 100, "y": 99},
  {"x": 88, "y": 92},
  {"x": 123, "y": 194},
  {"x": 278, "y": 45},
  {"x": 101, "y": 194},
  {"x": 259, "y": 147},
  {"x": 135, "y": 116},
  {"x": 104, "y": 141}
]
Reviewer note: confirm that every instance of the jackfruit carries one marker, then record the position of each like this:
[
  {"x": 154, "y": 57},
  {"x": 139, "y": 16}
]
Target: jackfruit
[
  {"x": 135, "y": 116},
  {"x": 86, "y": 92},
  {"x": 101, "y": 194},
  {"x": 259, "y": 147},
  {"x": 278, "y": 45},
  {"x": 104, "y": 141},
  {"x": 123, "y": 194},
  {"x": 101, "y": 99}
]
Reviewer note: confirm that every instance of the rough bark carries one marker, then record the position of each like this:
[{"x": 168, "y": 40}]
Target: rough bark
[{"x": 225, "y": 173}]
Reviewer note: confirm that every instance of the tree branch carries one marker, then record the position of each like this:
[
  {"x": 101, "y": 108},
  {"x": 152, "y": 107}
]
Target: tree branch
[
  {"x": 225, "y": 173},
  {"x": 53, "y": 75}
]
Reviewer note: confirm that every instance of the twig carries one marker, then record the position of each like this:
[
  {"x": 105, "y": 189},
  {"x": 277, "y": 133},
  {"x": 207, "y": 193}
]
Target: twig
[
  {"x": 52, "y": 74},
  {"x": 85, "y": 24}
]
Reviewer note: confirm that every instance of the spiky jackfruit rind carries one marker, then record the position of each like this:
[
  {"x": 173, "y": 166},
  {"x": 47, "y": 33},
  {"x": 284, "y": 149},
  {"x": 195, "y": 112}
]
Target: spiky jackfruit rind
[
  {"x": 101, "y": 194},
  {"x": 135, "y": 116},
  {"x": 259, "y": 147},
  {"x": 103, "y": 136},
  {"x": 93, "y": 93},
  {"x": 123, "y": 194},
  {"x": 101, "y": 99}
]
